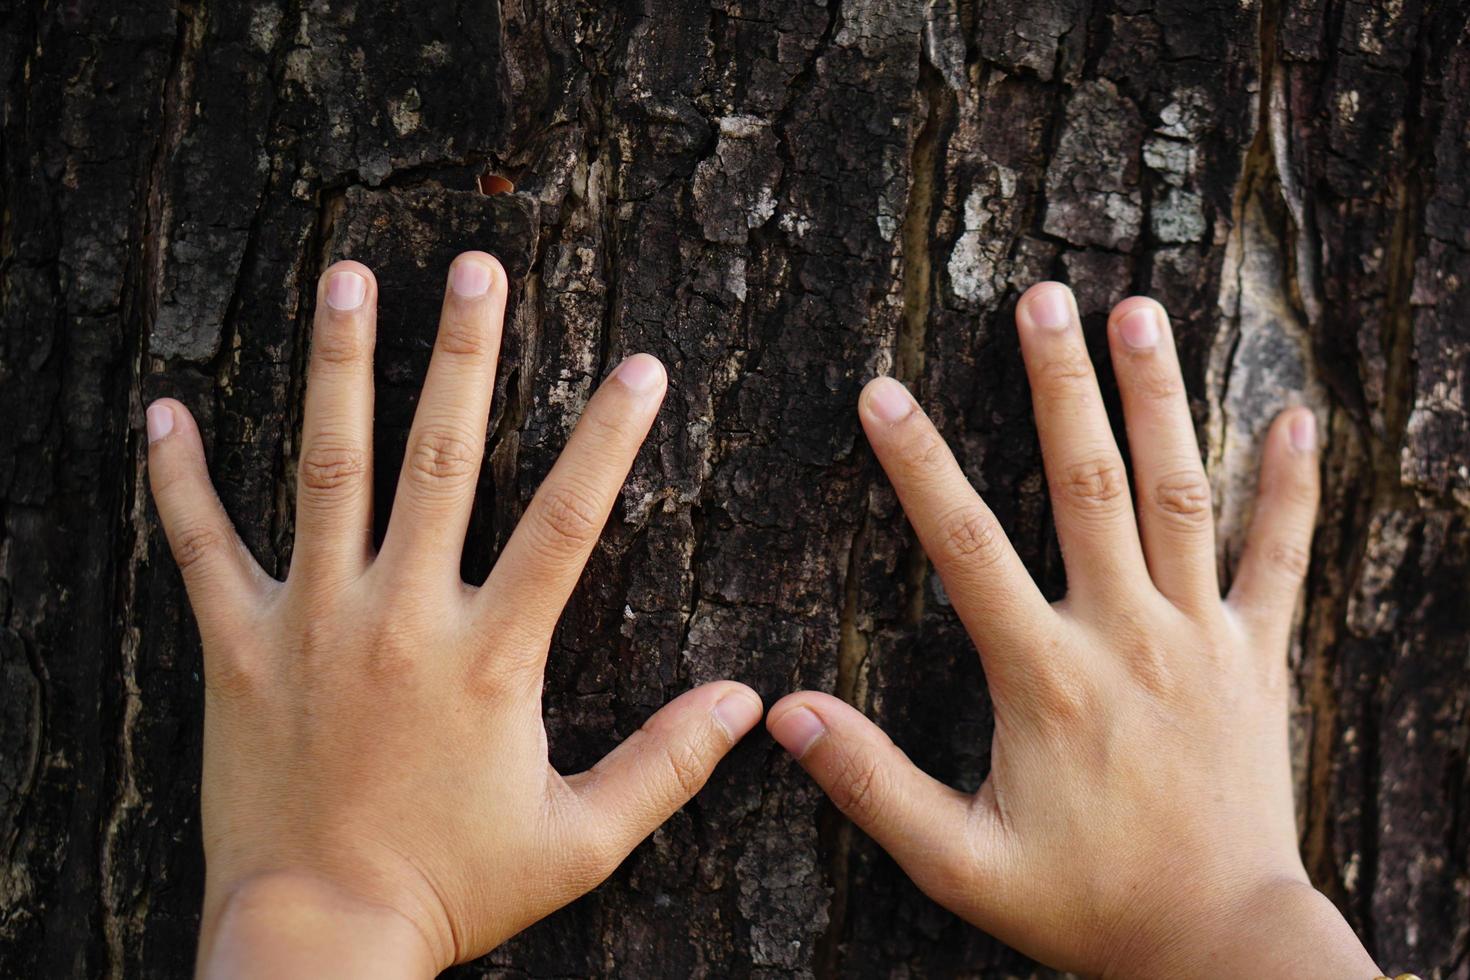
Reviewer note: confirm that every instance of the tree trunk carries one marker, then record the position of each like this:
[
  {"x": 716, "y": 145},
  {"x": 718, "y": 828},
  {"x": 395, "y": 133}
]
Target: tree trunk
[{"x": 779, "y": 199}]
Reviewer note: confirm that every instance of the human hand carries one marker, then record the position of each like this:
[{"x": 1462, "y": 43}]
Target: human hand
[
  {"x": 1137, "y": 820},
  {"x": 377, "y": 798}
]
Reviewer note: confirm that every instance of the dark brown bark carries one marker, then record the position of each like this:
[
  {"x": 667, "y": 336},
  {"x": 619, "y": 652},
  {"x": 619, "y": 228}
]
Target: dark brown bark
[{"x": 779, "y": 199}]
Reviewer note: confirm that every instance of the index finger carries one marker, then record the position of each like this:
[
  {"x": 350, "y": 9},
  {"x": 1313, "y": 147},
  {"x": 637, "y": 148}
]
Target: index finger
[
  {"x": 989, "y": 587},
  {"x": 543, "y": 560},
  {"x": 436, "y": 486}
]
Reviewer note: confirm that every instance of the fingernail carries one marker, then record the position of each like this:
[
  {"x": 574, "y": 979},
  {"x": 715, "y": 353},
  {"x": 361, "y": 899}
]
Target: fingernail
[
  {"x": 345, "y": 290},
  {"x": 737, "y": 714},
  {"x": 889, "y": 401},
  {"x": 1140, "y": 328},
  {"x": 1050, "y": 307},
  {"x": 798, "y": 730},
  {"x": 469, "y": 278},
  {"x": 641, "y": 372},
  {"x": 160, "y": 421},
  {"x": 1303, "y": 431}
]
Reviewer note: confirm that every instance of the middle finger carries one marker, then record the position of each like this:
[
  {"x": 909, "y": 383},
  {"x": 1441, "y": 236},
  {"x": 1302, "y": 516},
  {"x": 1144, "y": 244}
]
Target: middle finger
[
  {"x": 1089, "y": 486},
  {"x": 436, "y": 487}
]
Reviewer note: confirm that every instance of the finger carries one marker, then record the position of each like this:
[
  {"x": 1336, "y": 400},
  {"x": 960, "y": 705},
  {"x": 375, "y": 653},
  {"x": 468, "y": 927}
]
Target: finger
[
  {"x": 1089, "y": 487},
  {"x": 659, "y": 768},
  {"x": 1176, "y": 509},
  {"x": 987, "y": 584},
  {"x": 1277, "y": 554},
  {"x": 334, "y": 478},
  {"x": 222, "y": 578},
  {"x": 431, "y": 507},
  {"x": 938, "y": 834},
  {"x": 543, "y": 559}
]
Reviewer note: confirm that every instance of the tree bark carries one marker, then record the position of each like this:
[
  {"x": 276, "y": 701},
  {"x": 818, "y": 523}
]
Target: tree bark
[{"x": 780, "y": 200}]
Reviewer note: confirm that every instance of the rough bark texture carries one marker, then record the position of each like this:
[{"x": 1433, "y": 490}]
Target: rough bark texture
[{"x": 780, "y": 199}]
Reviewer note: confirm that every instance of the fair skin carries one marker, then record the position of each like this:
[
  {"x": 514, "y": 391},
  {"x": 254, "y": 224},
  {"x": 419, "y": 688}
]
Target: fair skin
[
  {"x": 377, "y": 797},
  {"x": 1137, "y": 820}
]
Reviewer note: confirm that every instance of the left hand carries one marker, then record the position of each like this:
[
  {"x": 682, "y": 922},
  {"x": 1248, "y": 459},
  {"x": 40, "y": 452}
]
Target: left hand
[{"x": 1137, "y": 819}]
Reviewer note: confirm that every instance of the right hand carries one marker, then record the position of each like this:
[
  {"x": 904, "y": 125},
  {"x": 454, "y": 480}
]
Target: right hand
[
  {"x": 377, "y": 795},
  {"x": 1137, "y": 820}
]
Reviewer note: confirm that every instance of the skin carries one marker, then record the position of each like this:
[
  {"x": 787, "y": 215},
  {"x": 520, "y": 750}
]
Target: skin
[
  {"x": 1137, "y": 820},
  {"x": 377, "y": 798}
]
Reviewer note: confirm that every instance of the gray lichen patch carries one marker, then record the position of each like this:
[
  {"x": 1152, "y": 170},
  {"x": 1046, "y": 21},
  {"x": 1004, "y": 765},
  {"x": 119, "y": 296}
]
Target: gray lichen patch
[
  {"x": 1092, "y": 193},
  {"x": 734, "y": 189},
  {"x": 977, "y": 269},
  {"x": 1173, "y": 160},
  {"x": 1178, "y": 216},
  {"x": 1187, "y": 115}
]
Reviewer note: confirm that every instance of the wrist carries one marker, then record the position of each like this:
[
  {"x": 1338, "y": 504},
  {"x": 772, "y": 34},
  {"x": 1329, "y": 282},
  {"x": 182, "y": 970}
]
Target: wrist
[
  {"x": 291, "y": 924},
  {"x": 1281, "y": 926}
]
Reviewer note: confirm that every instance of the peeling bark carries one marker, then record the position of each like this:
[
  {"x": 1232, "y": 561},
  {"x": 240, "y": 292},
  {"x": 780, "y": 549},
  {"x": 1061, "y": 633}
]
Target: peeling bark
[{"x": 779, "y": 200}]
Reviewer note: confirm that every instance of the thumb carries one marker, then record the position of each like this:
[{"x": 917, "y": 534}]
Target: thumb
[
  {"x": 929, "y": 828},
  {"x": 659, "y": 768}
]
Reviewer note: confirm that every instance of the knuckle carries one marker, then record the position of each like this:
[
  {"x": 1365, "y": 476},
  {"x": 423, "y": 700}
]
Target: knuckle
[
  {"x": 484, "y": 681},
  {"x": 607, "y": 428},
  {"x": 1063, "y": 692},
  {"x": 340, "y": 341},
  {"x": 1289, "y": 558},
  {"x": 970, "y": 535},
  {"x": 194, "y": 544},
  {"x": 1152, "y": 666},
  {"x": 464, "y": 334},
  {"x": 858, "y": 789},
  {"x": 1095, "y": 484},
  {"x": 566, "y": 519},
  {"x": 923, "y": 453},
  {"x": 1067, "y": 370},
  {"x": 319, "y": 630},
  {"x": 392, "y": 667},
  {"x": 511, "y": 676},
  {"x": 686, "y": 768},
  {"x": 1160, "y": 385},
  {"x": 442, "y": 456},
  {"x": 231, "y": 676},
  {"x": 1149, "y": 658},
  {"x": 326, "y": 469},
  {"x": 1185, "y": 497}
]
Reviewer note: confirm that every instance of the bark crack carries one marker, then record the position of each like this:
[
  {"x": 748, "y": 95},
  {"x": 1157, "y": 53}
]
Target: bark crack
[
  {"x": 936, "y": 102},
  {"x": 144, "y": 279}
]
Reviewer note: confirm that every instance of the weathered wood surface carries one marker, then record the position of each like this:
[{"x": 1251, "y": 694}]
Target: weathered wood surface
[{"x": 779, "y": 199}]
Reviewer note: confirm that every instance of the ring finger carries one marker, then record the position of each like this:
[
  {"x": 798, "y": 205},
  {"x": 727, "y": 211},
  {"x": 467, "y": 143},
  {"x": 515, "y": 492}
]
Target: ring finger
[{"x": 1089, "y": 486}]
